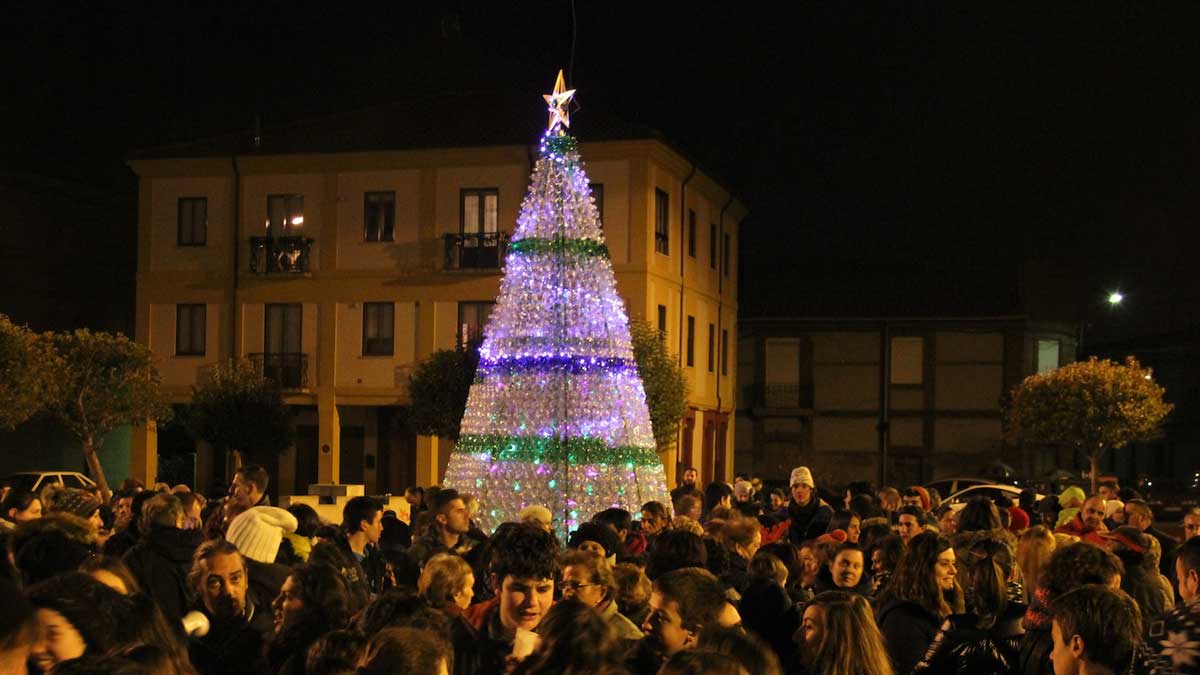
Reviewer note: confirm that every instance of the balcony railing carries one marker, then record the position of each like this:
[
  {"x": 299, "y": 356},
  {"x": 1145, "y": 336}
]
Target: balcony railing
[
  {"x": 483, "y": 251},
  {"x": 289, "y": 370},
  {"x": 280, "y": 255}
]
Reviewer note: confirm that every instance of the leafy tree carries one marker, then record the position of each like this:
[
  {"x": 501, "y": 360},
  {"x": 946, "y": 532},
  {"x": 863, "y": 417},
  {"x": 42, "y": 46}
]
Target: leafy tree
[
  {"x": 25, "y": 363},
  {"x": 438, "y": 390},
  {"x": 101, "y": 381},
  {"x": 1090, "y": 405},
  {"x": 665, "y": 384},
  {"x": 239, "y": 411}
]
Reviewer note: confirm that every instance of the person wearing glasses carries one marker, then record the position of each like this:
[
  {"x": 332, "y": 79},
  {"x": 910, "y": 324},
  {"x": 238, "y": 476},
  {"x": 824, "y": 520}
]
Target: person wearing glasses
[{"x": 588, "y": 578}]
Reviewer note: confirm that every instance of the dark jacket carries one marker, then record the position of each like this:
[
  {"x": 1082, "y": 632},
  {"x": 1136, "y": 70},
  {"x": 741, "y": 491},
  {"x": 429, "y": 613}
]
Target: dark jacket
[
  {"x": 234, "y": 647},
  {"x": 908, "y": 629},
  {"x": 265, "y": 581},
  {"x": 480, "y": 645},
  {"x": 1170, "y": 548},
  {"x": 963, "y": 646},
  {"x": 1037, "y": 643},
  {"x": 767, "y": 610},
  {"x": 160, "y": 562},
  {"x": 1173, "y": 643},
  {"x": 802, "y": 524},
  {"x": 120, "y": 543}
]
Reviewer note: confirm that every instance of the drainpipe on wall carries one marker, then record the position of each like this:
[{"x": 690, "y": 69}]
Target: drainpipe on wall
[
  {"x": 884, "y": 402},
  {"x": 682, "y": 281},
  {"x": 233, "y": 306},
  {"x": 720, "y": 295}
]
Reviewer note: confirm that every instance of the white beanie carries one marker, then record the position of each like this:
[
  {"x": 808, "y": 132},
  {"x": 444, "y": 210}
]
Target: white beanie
[
  {"x": 802, "y": 476},
  {"x": 258, "y": 531},
  {"x": 743, "y": 488},
  {"x": 536, "y": 513}
]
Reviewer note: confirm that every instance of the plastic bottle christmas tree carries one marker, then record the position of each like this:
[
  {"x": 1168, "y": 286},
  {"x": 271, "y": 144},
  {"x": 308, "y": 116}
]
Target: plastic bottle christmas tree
[{"x": 557, "y": 414}]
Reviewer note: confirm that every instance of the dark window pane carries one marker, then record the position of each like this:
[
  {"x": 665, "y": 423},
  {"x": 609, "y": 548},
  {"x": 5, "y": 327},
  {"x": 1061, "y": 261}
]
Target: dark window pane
[
  {"x": 691, "y": 340},
  {"x": 691, "y": 233},
  {"x": 379, "y": 216},
  {"x": 662, "y": 231}
]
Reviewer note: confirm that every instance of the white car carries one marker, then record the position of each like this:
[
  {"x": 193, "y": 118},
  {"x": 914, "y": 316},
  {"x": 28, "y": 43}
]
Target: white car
[
  {"x": 959, "y": 499},
  {"x": 34, "y": 481}
]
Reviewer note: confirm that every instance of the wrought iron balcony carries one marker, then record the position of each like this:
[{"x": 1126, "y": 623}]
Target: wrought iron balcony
[
  {"x": 483, "y": 251},
  {"x": 289, "y": 370},
  {"x": 280, "y": 255}
]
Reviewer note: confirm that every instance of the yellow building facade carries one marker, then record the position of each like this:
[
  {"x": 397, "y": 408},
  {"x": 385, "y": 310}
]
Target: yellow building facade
[{"x": 338, "y": 271}]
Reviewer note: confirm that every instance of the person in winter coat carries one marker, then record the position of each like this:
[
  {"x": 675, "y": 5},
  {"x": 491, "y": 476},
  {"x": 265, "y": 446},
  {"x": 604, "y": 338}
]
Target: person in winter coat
[
  {"x": 161, "y": 559},
  {"x": 986, "y": 639},
  {"x": 312, "y": 602},
  {"x": 808, "y": 515},
  {"x": 588, "y": 578},
  {"x": 238, "y": 626},
  {"x": 766, "y": 608},
  {"x": 741, "y": 539},
  {"x": 1174, "y": 643},
  {"x": 1088, "y": 523},
  {"x": 923, "y": 591},
  {"x": 258, "y": 532}
]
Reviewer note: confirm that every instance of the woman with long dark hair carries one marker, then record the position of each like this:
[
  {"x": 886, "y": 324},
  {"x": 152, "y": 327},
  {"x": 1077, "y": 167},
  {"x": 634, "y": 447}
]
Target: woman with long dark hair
[
  {"x": 312, "y": 602},
  {"x": 717, "y": 494},
  {"x": 838, "y": 636},
  {"x": 922, "y": 592},
  {"x": 575, "y": 640}
]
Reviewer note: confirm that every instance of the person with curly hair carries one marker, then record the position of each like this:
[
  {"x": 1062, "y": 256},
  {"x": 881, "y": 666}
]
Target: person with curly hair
[
  {"x": 313, "y": 601},
  {"x": 923, "y": 591}
]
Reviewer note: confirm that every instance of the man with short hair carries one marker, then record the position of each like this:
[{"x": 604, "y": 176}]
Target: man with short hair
[
  {"x": 522, "y": 571},
  {"x": 448, "y": 533},
  {"x": 909, "y": 522},
  {"x": 238, "y": 624},
  {"x": 1108, "y": 489},
  {"x": 1138, "y": 514},
  {"x": 911, "y": 496},
  {"x": 249, "y": 489},
  {"x": 1174, "y": 642},
  {"x": 162, "y": 557},
  {"x": 687, "y": 486},
  {"x": 1095, "y": 631},
  {"x": 633, "y": 544},
  {"x": 1191, "y": 523},
  {"x": 808, "y": 515},
  {"x": 1088, "y": 524},
  {"x": 682, "y": 603},
  {"x": 362, "y": 521}
]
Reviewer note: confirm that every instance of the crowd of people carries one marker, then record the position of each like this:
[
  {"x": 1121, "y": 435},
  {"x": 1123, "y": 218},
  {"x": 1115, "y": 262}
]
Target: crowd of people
[{"x": 725, "y": 580}]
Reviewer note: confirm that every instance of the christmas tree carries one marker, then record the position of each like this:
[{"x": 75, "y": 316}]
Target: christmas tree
[{"x": 557, "y": 414}]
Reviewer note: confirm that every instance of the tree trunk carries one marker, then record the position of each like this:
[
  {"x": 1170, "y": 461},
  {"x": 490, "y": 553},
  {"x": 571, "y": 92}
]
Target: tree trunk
[
  {"x": 1094, "y": 459},
  {"x": 93, "y": 462}
]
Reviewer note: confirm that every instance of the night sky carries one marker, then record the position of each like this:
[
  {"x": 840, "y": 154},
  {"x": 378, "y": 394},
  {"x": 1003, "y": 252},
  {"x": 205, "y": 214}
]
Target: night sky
[{"x": 911, "y": 145}]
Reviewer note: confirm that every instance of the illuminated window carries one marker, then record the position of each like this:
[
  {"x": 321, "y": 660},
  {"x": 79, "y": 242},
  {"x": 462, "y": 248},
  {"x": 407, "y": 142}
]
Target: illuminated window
[
  {"x": 472, "y": 319},
  {"x": 1047, "y": 355},
  {"x": 480, "y": 211},
  {"x": 285, "y": 214}
]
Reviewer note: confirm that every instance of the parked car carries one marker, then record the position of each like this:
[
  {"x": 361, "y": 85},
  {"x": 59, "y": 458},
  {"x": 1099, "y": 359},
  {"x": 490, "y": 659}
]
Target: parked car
[
  {"x": 948, "y": 486},
  {"x": 991, "y": 491},
  {"x": 34, "y": 481}
]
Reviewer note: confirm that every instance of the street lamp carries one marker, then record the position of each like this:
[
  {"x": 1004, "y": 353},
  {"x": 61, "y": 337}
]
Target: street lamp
[{"x": 1115, "y": 298}]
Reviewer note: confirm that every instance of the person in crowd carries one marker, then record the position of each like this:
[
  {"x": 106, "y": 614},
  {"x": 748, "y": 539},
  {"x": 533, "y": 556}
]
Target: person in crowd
[
  {"x": 59, "y": 499},
  {"x": 922, "y": 592},
  {"x": 1095, "y": 630},
  {"x": 1047, "y": 512},
  {"x": 808, "y": 515},
  {"x": 1018, "y": 519},
  {"x": 536, "y": 514},
  {"x": 522, "y": 569},
  {"x": 19, "y": 629},
  {"x": 633, "y": 544},
  {"x": 741, "y": 539},
  {"x": 258, "y": 533},
  {"x": 19, "y": 506},
  {"x": 447, "y": 584},
  {"x": 248, "y": 490},
  {"x": 335, "y": 653},
  {"x": 1139, "y": 515},
  {"x": 847, "y": 521},
  {"x": 298, "y": 544},
  {"x": 162, "y": 557},
  {"x": 743, "y": 491},
  {"x": 689, "y": 506},
  {"x": 415, "y": 496},
  {"x": 915, "y": 495},
  {"x": 1034, "y": 548},
  {"x": 112, "y": 573},
  {"x": 910, "y": 522},
  {"x": 885, "y": 556},
  {"x": 1069, "y": 500},
  {"x": 777, "y": 501},
  {"x": 122, "y": 503},
  {"x": 889, "y": 501},
  {"x": 979, "y": 515},
  {"x": 449, "y": 531},
  {"x": 573, "y": 640},
  {"x": 808, "y": 566},
  {"x": 1174, "y": 643},
  {"x": 406, "y": 650},
  {"x": 239, "y": 624},
  {"x": 596, "y": 538},
  {"x": 1138, "y": 580},
  {"x": 838, "y": 636},
  {"x": 675, "y": 549},
  {"x": 78, "y": 615},
  {"x": 401, "y": 608},
  {"x": 1190, "y": 524},
  {"x": 362, "y": 523},
  {"x": 987, "y": 637},
  {"x": 749, "y": 650},
  {"x": 1069, "y": 567},
  {"x": 687, "y": 524},
  {"x": 473, "y": 531},
  {"x": 947, "y": 519},
  {"x": 856, "y": 488},
  {"x": 1108, "y": 488},
  {"x": 312, "y": 601},
  {"x": 1151, "y": 565},
  {"x": 845, "y": 572},
  {"x": 655, "y": 519},
  {"x": 1114, "y": 514},
  {"x": 682, "y": 603},
  {"x": 50, "y": 545},
  {"x": 718, "y": 495},
  {"x": 588, "y": 578},
  {"x": 687, "y": 485},
  {"x": 1088, "y": 522},
  {"x": 702, "y": 662},
  {"x": 766, "y": 607},
  {"x": 633, "y": 592}
]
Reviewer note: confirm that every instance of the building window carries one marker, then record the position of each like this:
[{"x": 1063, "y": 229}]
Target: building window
[
  {"x": 908, "y": 360},
  {"x": 284, "y": 328},
  {"x": 1047, "y": 355},
  {"x": 472, "y": 318},
  {"x": 285, "y": 214},
  {"x": 712, "y": 344},
  {"x": 691, "y": 233},
  {"x": 662, "y": 320},
  {"x": 712, "y": 245},
  {"x": 379, "y": 216},
  {"x": 480, "y": 211},
  {"x": 189, "y": 330},
  {"x": 378, "y": 323},
  {"x": 724, "y": 352},
  {"x": 662, "y": 226},
  {"x": 598, "y": 199},
  {"x": 192, "y": 223},
  {"x": 691, "y": 341},
  {"x": 725, "y": 255}
]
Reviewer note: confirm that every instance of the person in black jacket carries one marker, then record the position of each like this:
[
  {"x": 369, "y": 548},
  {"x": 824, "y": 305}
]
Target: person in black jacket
[
  {"x": 923, "y": 591},
  {"x": 986, "y": 639},
  {"x": 808, "y": 515},
  {"x": 238, "y": 626},
  {"x": 161, "y": 559},
  {"x": 312, "y": 602}
]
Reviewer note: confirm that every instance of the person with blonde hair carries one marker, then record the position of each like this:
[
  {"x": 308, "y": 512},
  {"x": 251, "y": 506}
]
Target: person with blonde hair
[
  {"x": 1034, "y": 548},
  {"x": 840, "y": 637},
  {"x": 447, "y": 584},
  {"x": 588, "y": 578}
]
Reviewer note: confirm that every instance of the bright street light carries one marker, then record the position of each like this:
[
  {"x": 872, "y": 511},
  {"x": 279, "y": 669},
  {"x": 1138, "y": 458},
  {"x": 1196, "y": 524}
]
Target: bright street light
[{"x": 1115, "y": 298}]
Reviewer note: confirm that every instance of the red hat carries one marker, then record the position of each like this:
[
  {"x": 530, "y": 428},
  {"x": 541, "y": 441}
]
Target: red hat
[
  {"x": 837, "y": 535},
  {"x": 926, "y": 502},
  {"x": 1017, "y": 519}
]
